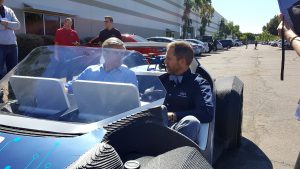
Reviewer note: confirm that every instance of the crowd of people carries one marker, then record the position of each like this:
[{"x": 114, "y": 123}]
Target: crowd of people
[{"x": 68, "y": 37}]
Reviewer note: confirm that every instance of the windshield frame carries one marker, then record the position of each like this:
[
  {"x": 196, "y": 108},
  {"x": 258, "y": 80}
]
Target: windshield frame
[{"x": 70, "y": 126}]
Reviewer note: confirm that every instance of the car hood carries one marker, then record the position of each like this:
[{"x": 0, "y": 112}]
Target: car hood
[{"x": 18, "y": 151}]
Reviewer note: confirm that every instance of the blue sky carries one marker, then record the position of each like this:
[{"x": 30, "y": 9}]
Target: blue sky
[{"x": 251, "y": 15}]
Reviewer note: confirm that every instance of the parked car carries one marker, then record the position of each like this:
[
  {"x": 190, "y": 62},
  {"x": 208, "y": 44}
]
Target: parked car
[
  {"x": 209, "y": 40},
  {"x": 217, "y": 45},
  {"x": 204, "y": 44},
  {"x": 237, "y": 43},
  {"x": 226, "y": 43},
  {"x": 161, "y": 39},
  {"x": 197, "y": 48},
  {"x": 151, "y": 49},
  {"x": 287, "y": 44},
  {"x": 274, "y": 43},
  {"x": 102, "y": 125}
]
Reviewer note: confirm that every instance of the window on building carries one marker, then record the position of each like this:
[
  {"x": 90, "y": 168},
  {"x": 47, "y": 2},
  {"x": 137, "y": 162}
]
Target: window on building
[
  {"x": 43, "y": 24},
  {"x": 34, "y": 23},
  {"x": 170, "y": 33},
  {"x": 52, "y": 23}
]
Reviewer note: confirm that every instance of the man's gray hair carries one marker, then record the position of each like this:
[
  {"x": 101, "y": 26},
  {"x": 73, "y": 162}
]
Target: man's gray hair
[
  {"x": 112, "y": 42},
  {"x": 68, "y": 19}
]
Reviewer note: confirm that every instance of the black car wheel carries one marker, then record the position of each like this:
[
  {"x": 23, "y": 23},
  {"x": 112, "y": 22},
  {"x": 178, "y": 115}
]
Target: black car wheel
[{"x": 229, "y": 114}]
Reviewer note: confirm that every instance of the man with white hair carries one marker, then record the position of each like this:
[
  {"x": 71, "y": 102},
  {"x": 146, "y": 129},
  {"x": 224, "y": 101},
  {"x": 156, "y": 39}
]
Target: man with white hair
[{"x": 112, "y": 70}]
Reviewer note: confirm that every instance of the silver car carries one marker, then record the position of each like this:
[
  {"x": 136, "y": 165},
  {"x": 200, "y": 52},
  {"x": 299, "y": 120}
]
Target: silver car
[
  {"x": 197, "y": 48},
  {"x": 204, "y": 44}
]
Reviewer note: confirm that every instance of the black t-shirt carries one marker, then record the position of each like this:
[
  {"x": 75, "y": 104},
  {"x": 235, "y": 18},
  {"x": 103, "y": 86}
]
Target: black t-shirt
[{"x": 106, "y": 34}]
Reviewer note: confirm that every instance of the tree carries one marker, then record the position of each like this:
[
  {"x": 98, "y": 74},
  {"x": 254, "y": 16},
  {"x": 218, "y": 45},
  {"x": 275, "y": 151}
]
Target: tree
[
  {"x": 248, "y": 37},
  {"x": 206, "y": 12},
  {"x": 236, "y": 32},
  {"x": 217, "y": 35},
  {"x": 266, "y": 36},
  {"x": 188, "y": 4},
  {"x": 224, "y": 30},
  {"x": 243, "y": 38},
  {"x": 271, "y": 27}
]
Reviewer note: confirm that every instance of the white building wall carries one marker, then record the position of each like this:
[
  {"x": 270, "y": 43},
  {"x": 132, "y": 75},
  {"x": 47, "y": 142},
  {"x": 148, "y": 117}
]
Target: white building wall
[{"x": 147, "y": 17}]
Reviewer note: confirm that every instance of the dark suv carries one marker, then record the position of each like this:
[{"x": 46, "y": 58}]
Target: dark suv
[{"x": 227, "y": 43}]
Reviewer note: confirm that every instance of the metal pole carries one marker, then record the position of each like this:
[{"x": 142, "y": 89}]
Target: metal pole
[{"x": 283, "y": 50}]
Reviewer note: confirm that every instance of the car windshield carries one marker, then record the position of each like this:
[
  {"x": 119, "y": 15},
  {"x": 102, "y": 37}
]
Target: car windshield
[{"x": 79, "y": 84}]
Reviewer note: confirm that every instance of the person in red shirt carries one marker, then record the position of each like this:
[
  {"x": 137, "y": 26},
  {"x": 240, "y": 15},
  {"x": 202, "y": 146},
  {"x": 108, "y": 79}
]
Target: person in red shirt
[{"x": 66, "y": 35}]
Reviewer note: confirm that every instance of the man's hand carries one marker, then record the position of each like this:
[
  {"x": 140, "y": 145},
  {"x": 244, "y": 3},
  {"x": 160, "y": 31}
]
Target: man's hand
[
  {"x": 5, "y": 24},
  {"x": 76, "y": 43},
  {"x": 288, "y": 32},
  {"x": 172, "y": 117}
]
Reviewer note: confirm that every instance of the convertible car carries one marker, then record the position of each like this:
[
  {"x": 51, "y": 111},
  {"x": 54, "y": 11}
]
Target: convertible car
[{"x": 109, "y": 125}]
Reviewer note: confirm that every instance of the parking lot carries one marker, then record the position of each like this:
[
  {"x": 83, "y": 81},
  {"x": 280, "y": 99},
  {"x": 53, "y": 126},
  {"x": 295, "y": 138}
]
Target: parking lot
[{"x": 271, "y": 133}]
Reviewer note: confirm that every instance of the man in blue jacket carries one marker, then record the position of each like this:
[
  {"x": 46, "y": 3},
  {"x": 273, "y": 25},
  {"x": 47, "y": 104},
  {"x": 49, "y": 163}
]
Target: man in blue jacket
[
  {"x": 8, "y": 43},
  {"x": 189, "y": 97}
]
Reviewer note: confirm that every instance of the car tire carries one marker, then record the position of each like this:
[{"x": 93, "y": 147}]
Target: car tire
[{"x": 229, "y": 111}]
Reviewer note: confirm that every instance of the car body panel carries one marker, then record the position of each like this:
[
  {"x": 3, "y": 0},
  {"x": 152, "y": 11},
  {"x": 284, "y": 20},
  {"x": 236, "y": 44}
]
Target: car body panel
[
  {"x": 161, "y": 39},
  {"x": 197, "y": 48},
  {"x": 204, "y": 44},
  {"x": 219, "y": 45},
  {"x": 148, "y": 50},
  {"x": 18, "y": 151},
  {"x": 226, "y": 43}
]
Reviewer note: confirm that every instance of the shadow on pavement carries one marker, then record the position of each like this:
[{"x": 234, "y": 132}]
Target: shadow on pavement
[
  {"x": 205, "y": 55},
  {"x": 216, "y": 52},
  {"x": 202, "y": 56},
  {"x": 248, "y": 156}
]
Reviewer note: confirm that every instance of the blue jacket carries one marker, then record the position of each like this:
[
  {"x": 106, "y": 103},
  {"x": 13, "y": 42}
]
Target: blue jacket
[
  {"x": 97, "y": 73},
  {"x": 192, "y": 96}
]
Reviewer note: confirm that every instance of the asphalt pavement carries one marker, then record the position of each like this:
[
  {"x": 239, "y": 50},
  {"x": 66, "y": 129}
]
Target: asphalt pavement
[{"x": 271, "y": 133}]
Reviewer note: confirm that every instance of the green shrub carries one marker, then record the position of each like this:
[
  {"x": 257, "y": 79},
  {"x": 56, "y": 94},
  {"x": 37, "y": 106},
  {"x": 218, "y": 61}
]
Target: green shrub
[
  {"x": 48, "y": 40},
  {"x": 26, "y": 43}
]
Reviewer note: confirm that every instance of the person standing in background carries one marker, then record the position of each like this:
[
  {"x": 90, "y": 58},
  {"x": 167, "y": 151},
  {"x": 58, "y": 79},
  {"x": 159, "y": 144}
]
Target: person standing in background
[
  {"x": 8, "y": 41},
  {"x": 66, "y": 36},
  {"x": 108, "y": 32},
  {"x": 255, "y": 45}
]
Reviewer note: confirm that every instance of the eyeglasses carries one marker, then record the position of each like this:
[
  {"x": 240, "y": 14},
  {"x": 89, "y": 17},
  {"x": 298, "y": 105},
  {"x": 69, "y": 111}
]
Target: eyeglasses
[{"x": 106, "y": 21}]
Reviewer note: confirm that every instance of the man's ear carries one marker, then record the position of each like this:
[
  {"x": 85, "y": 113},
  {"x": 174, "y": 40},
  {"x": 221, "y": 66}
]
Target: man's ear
[{"x": 182, "y": 62}]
